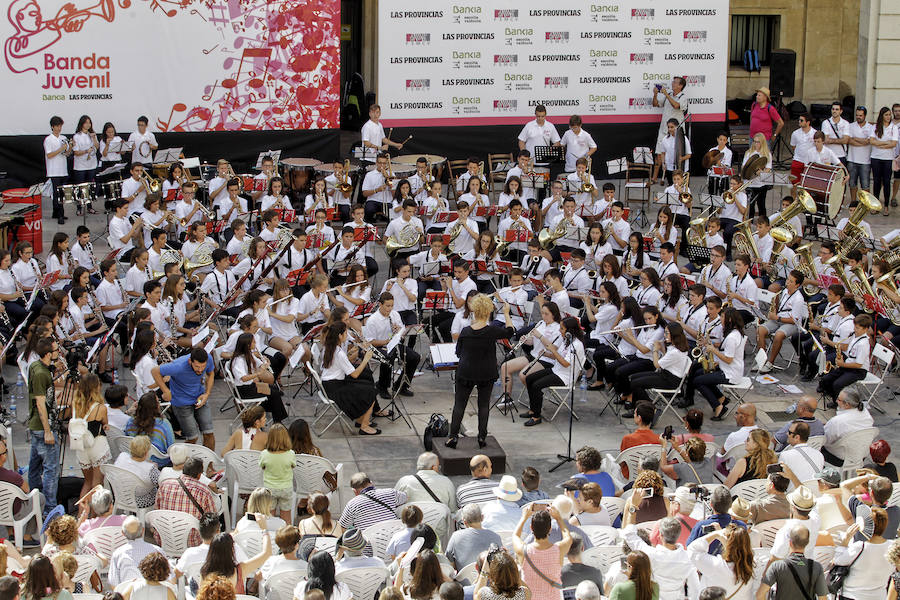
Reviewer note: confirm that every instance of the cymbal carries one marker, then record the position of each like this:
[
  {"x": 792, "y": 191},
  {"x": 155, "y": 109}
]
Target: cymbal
[
  {"x": 410, "y": 159},
  {"x": 711, "y": 158},
  {"x": 300, "y": 162},
  {"x": 754, "y": 167}
]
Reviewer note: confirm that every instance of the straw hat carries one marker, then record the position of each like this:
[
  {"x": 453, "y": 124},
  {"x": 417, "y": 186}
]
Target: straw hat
[
  {"x": 802, "y": 498},
  {"x": 740, "y": 509},
  {"x": 765, "y": 91},
  {"x": 508, "y": 489}
]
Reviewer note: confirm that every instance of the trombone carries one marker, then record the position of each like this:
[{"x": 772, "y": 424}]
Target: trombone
[
  {"x": 586, "y": 186},
  {"x": 153, "y": 185},
  {"x": 345, "y": 187},
  {"x": 685, "y": 196}
]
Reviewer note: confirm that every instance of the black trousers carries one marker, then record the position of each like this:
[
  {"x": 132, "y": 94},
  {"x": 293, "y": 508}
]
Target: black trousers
[
  {"x": 535, "y": 382},
  {"x": 641, "y": 382},
  {"x": 463, "y": 391},
  {"x": 620, "y": 371},
  {"x": 708, "y": 386},
  {"x": 410, "y": 359},
  {"x": 834, "y": 381},
  {"x": 603, "y": 353},
  {"x": 684, "y": 222},
  {"x": 273, "y": 404},
  {"x": 757, "y": 200},
  {"x": 442, "y": 322},
  {"x": 56, "y": 182}
]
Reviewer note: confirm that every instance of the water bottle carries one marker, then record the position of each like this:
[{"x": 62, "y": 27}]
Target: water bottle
[
  {"x": 115, "y": 375},
  {"x": 791, "y": 409},
  {"x": 582, "y": 386},
  {"x": 18, "y": 395}
]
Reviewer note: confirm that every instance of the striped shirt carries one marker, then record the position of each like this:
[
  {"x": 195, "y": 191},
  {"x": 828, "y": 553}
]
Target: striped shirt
[
  {"x": 362, "y": 511},
  {"x": 478, "y": 489}
]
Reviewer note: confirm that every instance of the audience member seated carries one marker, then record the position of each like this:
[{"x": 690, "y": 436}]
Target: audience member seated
[
  {"x": 800, "y": 461},
  {"x": 566, "y": 508},
  {"x": 135, "y": 461},
  {"x": 867, "y": 559},
  {"x": 62, "y": 536},
  {"x": 220, "y": 588},
  {"x": 287, "y": 539},
  {"x": 639, "y": 583},
  {"x": 250, "y": 435},
  {"x": 694, "y": 467},
  {"x": 647, "y": 502},
  {"x": 757, "y": 460},
  {"x": 178, "y": 455},
  {"x": 780, "y": 573},
  {"x": 41, "y": 583},
  {"x": 428, "y": 484},
  {"x": 643, "y": 419},
  {"x": 363, "y": 510},
  {"x": 733, "y": 569},
  {"x": 693, "y": 422},
  {"x": 806, "y": 413},
  {"x": 587, "y": 590},
  {"x": 851, "y": 416},
  {"x": 879, "y": 451},
  {"x": 874, "y": 491},
  {"x": 350, "y": 553},
  {"x": 502, "y": 580},
  {"x": 411, "y": 515},
  {"x": 671, "y": 564},
  {"x": 481, "y": 487},
  {"x": 681, "y": 505},
  {"x": 261, "y": 501},
  {"x": 124, "y": 562},
  {"x": 531, "y": 483},
  {"x": 575, "y": 571},
  {"x": 802, "y": 513},
  {"x": 466, "y": 544},
  {"x": 221, "y": 560},
  {"x": 589, "y": 461},
  {"x": 591, "y": 510},
  {"x": 745, "y": 418},
  {"x": 147, "y": 421},
  {"x": 320, "y": 576},
  {"x": 774, "y": 505},
  {"x": 152, "y": 584},
  {"x": 616, "y": 573},
  {"x": 196, "y": 555},
  {"x": 502, "y": 513},
  {"x": 720, "y": 503},
  {"x": 301, "y": 438},
  {"x": 426, "y": 579},
  {"x": 186, "y": 493},
  {"x": 116, "y": 415},
  {"x": 100, "y": 502},
  {"x": 320, "y": 523}
]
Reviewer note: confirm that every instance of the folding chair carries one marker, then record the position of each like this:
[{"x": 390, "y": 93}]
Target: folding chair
[
  {"x": 237, "y": 402},
  {"x": 768, "y": 297},
  {"x": 667, "y": 397},
  {"x": 637, "y": 178},
  {"x": 736, "y": 392},
  {"x": 329, "y": 406},
  {"x": 455, "y": 169},
  {"x": 884, "y": 355}
]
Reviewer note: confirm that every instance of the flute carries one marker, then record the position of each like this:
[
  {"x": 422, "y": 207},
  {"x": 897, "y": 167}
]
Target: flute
[
  {"x": 344, "y": 286},
  {"x": 618, "y": 329}
]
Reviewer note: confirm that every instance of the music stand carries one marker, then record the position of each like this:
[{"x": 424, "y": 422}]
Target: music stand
[
  {"x": 435, "y": 301},
  {"x": 698, "y": 255},
  {"x": 642, "y": 155},
  {"x": 400, "y": 343},
  {"x": 275, "y": 155},
  {"x": 548, "y": 154},
  {"x": 168, "y": 155}
]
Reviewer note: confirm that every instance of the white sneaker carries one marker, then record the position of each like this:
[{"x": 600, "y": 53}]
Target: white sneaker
[{"x": 767, "y": 368}]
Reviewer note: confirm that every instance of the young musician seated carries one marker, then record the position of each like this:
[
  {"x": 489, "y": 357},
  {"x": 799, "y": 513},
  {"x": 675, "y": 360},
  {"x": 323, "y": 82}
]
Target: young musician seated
[
  {"x": 219, "y": 284},
  {"x": 851, "y": 366},
  {"x": 378, "y": 330},
  {"x": 465, "y": 230},
  {"x": 275, "y": 198},
  {"x": 584, "y": 200},
  {"x": 434, "y": 254},
  {"x": 619, "y": 372},
  {"x": 321, "y": 228},
  {"x": 407, "y": 226},
  {"x": 122, "y": 231},
  {"x": 239, "y": 244},
  {"x": 338, "y": 198},
  {"x": 603, "y": 317},
  {"x": 514, "y": 222},
  {"x": 557, "y": 293},
  {"x": 134, "y": 192},
  {"x": 648, "y": 292},
  {"x": 575, "y": 280},
  {"x": 284, "y": 310},
  {"x": 318, "y": 199},
  {"x": 138, "y": 274},
  {"x": 83, "y": 253},
  {"x": 261, "y": 182},
  {"x": 694, "y": 314},
  {"x": 314, "y": 308},
  {"x": 340, "y": 379},
  {"x": 434, "y": 204},
  {"x": 671, "y": 362},
  {"x": 569, "y": 241},
  {"x": 375, "y": 189},
  {"x": 404, "y": 290},
  {"x": 713, "y": 182},
  {"x": 253, "y": 377},
  {"x": 568, "y": 358},
  {"x": 552, "y": 206},
  {"x": 482, "y": 258},
  {"x": 232, "y": 205},
  {"x": 534, "y": 266},
  {"x": 80, "y": 314},
  {"x": 472, "y": 168},
  {"x": 728, "y": 361},
  {"x": 618, "y": 230},
  {"x": 834, "y": 332},
  {"x": 457, "y": 289},
  {"x": 358, "y": 215},
  {"x": 764, "y": 244},
  {"x": 515, "y": 295},
  {"x": 270, "y": 221},
  {"x": 734, "y": 212},
  {"x": 535, "y": 356},
  {"x": 463, "y": 319},
  {"x": 667, "y": 263},
  {"x": 355, "y": 292},
  {"x": 680, "y": 210},
  {"x": 345, "y": 255},
  {"x": 788, "y": 308}
]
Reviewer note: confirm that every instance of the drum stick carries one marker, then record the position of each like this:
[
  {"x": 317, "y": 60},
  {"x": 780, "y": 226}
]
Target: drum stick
[{"x": 406, "y": 140}]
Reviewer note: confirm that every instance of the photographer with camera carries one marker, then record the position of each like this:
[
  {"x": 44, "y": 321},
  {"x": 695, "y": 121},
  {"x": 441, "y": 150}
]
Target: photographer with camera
[
  {"x": 43, "y": 472},
  {"x": 720, "y": 502},
  {"x": 694, "y": 466}
]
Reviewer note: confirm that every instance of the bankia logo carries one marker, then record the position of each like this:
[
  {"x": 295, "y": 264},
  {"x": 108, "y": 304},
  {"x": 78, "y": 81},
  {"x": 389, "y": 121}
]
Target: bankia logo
[
  {"x": 607, "y": 13},
  {"x": 695, "y": 35},
  {"x": 418, "y": 39},
  {"x": 509, "y": 105},
  {"x": 642, "y": 14},
  {"x": 506, "y": 60},
  {"x": 418, "y": 85},
  {"x": 556, "y": 82},
  {"x": 556, "y": 37},
  {"x": 640, "y": 103},
  {"x": 506, "y": 14},
  {"x": 641, "y": 58}
]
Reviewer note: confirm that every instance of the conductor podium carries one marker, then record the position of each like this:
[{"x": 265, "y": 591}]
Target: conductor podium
[{"x": 455, "y": 461}]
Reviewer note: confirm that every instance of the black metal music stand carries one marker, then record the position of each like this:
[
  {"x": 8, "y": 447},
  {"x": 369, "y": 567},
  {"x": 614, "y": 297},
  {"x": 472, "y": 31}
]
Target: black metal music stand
[
  {"x": 394, "y": 408},
  {"x": 698, "y": 255},
  {"x": 779, "y": 145},
  {"x": 567, "y": 457},
  {"x": 548, "y": 154}
]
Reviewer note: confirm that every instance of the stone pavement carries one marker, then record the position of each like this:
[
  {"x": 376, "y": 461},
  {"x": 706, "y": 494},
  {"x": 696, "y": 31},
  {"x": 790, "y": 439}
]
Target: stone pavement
[{"x": 387, "y": 457}]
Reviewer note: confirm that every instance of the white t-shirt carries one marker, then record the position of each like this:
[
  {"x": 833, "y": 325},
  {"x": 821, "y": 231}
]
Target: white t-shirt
[
  {"x": 825, "y": 157},
  {"x": 577, "y": 146},
  {"x": 110, "y": 294},
  {"x": 142, "y": 153},
  {"x": 538, "y": 135},
  {"x": 339, "y": 368},
  {"x": 132, "y": 186},
  {"x": 374, "y": 133},
  {"x": 733, "y": 346},
  {"x": 574, "y": 355},
  {"x": 801, "y": 142},
  {"x": 143, "y": 374},
  {"x": 889, "y": 134},
  {"x": 860, "y": 155},
  {"x": 836, "y": 130},
  {"x": 56, "y": 166},
  {"x": 725, "y": 159},
  {"x": 310, "y": 305},
  {"x": 84, "y": 162}
]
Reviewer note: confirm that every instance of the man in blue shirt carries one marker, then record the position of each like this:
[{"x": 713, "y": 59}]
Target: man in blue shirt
[
  {"x": 720, "y": 501},
  {"x": 190, "y": 383}
]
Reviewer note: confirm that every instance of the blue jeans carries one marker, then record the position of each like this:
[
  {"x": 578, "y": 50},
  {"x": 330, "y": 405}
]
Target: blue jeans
[{"x": 43, "y": 468}]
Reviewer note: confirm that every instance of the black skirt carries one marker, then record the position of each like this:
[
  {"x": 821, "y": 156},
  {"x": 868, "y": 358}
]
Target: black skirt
[{"x": 352, "y": 396}]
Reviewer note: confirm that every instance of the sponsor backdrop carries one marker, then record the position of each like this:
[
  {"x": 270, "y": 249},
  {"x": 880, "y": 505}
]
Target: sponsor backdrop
[
  {"x": 490, "y": 62},
  {"x": 189, "y": 65}
]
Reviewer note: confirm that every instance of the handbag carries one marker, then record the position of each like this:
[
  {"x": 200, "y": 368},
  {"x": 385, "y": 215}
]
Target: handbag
[
  {"x": 838, "y": 573},
  {"x": 80, "y": 437},
  {"x": 438, "y": 426},
  {"x": 330, "y": 480},
  {"x": 553, "y": 584}
]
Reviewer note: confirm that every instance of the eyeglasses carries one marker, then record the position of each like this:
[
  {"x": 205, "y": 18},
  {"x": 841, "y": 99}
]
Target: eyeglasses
[{"x": 791, "y": 432}]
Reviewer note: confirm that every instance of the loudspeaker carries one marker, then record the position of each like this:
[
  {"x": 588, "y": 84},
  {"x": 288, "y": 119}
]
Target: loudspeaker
[{"x": 782, "y": 70}]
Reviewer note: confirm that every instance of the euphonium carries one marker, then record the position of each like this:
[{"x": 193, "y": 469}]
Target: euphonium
[
  {"x": 803, "y": 202},
  {"x": 501, "y": 245},
  {"x": 781, "y": 236},
  {"x": 806, "y": 265},
  {"x": 728, "y": 196},
  {"x": 697, "y": 233},
  {"x": 854, "y": 234},
  {"x": 686, "y": 195},
  {"x": 547, "y": 239},
  {"x": 744, "y": 242},
  {"x": 891, "y": 308},
  {"x": 865, "y": 288}
]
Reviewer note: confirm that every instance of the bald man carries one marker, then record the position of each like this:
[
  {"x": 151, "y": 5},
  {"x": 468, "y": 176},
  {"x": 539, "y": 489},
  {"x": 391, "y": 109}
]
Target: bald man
[
  {"x": 481, "y": 487},
  {"x": 806, "y": 412},
  {"x": 745, "y": 419},
  {"x": 123, "y": 565}
]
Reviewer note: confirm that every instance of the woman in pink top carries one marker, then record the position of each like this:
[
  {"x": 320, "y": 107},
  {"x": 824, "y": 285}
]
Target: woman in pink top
[
  {"x": 542, "y": 560},
  {"x": 763, "y": 115},
  {"x": 693, "y": 422}
]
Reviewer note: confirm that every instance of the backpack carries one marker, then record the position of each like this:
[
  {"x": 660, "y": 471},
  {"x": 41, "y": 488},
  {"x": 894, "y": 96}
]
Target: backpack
[
  {"x": 438, "y": 426},
  {"x": 751, "y": 61},
  {"x": 80, "y": 438}
]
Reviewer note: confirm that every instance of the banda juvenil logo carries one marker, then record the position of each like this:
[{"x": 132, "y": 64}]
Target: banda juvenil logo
[
  {"x": 642, "y": 14},
  {"x": 697, "y": 35},
  {"x": 418, "y": 85},
  {"x": 506, "y": 60},
  {"x": 556, "y": 82},
  {"x": 506, "y": 14},
  {"x": 641, "y": 58},
  {"x": 418, "y": 39},
  {"x": 557, "y": 37},
  {"x": 506, "y": 105}
]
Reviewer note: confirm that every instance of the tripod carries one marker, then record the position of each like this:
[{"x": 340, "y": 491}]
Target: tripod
[
  {"x": 66, "y": 400},
  {"x": 567, "y": 457},
  {"x": 779, "y": 145}
]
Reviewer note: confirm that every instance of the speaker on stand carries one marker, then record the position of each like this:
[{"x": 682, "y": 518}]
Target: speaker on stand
[{"x": 782, "y": 75}]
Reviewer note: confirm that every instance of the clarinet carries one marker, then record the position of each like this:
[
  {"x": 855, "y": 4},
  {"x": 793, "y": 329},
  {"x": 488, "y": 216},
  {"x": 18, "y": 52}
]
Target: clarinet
[{"x": 37, "y": 276}]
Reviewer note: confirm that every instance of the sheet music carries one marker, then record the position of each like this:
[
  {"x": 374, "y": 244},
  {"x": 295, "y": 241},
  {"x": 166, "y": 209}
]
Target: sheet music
[
  {"x": 201, "y": 335},
  {"x": 395, "y": 340},
  {"x": 275, "y": 154},
  {"x": 211, "y": 344},
  {"x": 297, "y": 356},
  {"x": 643, "y": 156},
  {"x": 617, "y": 165},
  {"x": 444, "y": 355}
]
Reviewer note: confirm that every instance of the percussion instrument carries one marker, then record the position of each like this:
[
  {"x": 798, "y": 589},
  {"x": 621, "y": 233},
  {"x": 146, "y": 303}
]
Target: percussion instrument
[
  {"x": 711, "y": 157},
  {"x": 298, "y": 173},
  {"x": 825, "y": 183},
  {"x": 66, "y": 193},
  {"x": 754, "y": 167},
  {"x": 722, "y": 171},
  {"x": 328, "y": 168},
  {"x": 161, "y": 170},
  {"x": 248, "y": 182},
  {"x": 113, "y": 188},
  {"x": 410, "y": 159},
  {"x": 84, "y": 192},
  {"x": 208, "y": 171}
]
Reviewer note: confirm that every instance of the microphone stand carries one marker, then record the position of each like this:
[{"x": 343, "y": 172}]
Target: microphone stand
[{"x": 567, "y": 457}]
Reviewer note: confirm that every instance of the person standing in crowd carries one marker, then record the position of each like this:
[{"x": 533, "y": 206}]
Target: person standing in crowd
[
  {"x": 84, "y": 163},
  {"x": 674, "y": 106},
  {"x": 56, "y": 148},
  {"x": 538, "y": 132},
  {"x": 190, "y": 384},
  {"x": 763, "y": 116},
  {"x": 43, "y": 464}
]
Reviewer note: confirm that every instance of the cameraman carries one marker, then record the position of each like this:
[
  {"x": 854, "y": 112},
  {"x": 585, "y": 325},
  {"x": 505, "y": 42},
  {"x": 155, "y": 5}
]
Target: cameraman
[{"x": 43, "y": 471}]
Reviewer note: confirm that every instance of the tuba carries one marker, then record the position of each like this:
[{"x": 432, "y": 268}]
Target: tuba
[
  {"x": 781, "y": 236},
  {"x": 854, "y": 234},
  {"x": 744, "y": 242},
  {"x": 696, "y": 235},
  {"x": 547, "y": 239},
  {"x": 864, "y": 287},
  {"x": 803, "y": 203},
  {"x": 891, "y": 308},
  {"x": 836, "y": 262},
  {"x": 806, "y": 266}
]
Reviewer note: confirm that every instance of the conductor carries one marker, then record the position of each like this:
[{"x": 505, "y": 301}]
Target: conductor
[{"x": 477, "y": 354}]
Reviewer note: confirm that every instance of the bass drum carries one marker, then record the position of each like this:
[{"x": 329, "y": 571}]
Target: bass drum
[{"x": 825, "y": 183}]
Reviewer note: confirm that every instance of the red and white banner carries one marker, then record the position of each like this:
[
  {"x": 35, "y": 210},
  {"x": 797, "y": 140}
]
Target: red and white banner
[
  {"x": 489, "y": 62},
  {"x": 189, "y": 65}
]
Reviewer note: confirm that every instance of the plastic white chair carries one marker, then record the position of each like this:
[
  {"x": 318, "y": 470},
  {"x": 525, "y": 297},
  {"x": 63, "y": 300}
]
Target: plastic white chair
[
  {"x": 364, "y": 582},
  {"x": 251, "y": 542},
  {"x": 767, "y": 531},
  {"x": 602, "y": 557},
  {"x": 240, "y": 404},
  {"x": 601, "y": 535},
  {"x": 280, "y": 586},
  {"x": 174, "y": 529},
  {"x": 895, "y": 495},
  {"x": 614, "y": 506},
  {"x": 87, "y": 596},
  {"x": 380, "y": 534},
  {"x": 113, "y": 435},
  {"x": 871, "y": 382},
  {"x": 736, "y": 392},
  {"x": 124, "y": 484},
  {"x": 327, "y": 405},
  {"x": 243, "y": 474},
  {"x": 665, "y": 397},
  {"x": 88, "y": 564},
  {"x": 31, "y": 503},
  {"x": 325, "y": 544},
  {"x": 634, "y": 455},
  {"x": 105, "y": 540},
  {"x": 437, "y": 516},
  {"x": 506, "y": 538},
  {"x": 731, "y": 457},
  {"x": 823, "y": 555},
  {"x": 855, "y": 446},
  {"x": 751, "y": 490},
  {"x": 203, "y": 453},
  {"x": 124, "y": 444},
  {"x": 468, "y": 572},
  {"x": 816, "y": 441},
  {"x": 308, "y": 474}
]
